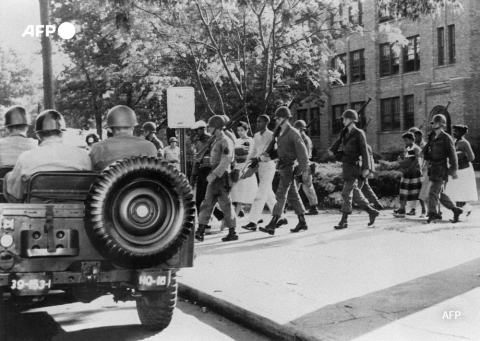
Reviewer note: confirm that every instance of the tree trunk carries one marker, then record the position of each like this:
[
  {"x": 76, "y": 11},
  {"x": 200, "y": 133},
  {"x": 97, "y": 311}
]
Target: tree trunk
[{"x": 48, "y": 89}]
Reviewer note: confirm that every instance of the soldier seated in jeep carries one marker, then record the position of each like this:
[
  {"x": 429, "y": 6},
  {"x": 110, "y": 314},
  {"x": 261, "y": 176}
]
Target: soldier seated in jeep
[
  {"x": 121, "y": 120},
  {"x": 50, "y": 155}
]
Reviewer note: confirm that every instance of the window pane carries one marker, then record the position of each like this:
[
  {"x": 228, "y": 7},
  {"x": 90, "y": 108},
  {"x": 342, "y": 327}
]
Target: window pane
[
  {"x": 314, "y": 129},
  {"x": 441, "y": 48},
  {"x": 396, "y": 113},
  {"x": 451, "y": 39},
  {"x": 409, "y": 117}
]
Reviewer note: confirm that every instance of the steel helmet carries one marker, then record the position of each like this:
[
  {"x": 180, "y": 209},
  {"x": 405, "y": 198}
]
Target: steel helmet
[
  {"x": 173, "y": 139},
  {"x": 300, "y": 124},
  {"x": 283, "y": 112},
  {"x": 439, "y": 118},
  {"x": 15, "y": 116},
  {"x": 92, "y": 138},
  {"x": 121, "y": 116},
  {"x": 49, "y": 120},
  {"x": 351, "y": 114},
  {"x": 149, "y": 126},
  {"x": 217, "y": 122},
  {"x": 198, "y": 125}
]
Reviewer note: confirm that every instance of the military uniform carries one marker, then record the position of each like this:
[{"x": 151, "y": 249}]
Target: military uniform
[
  {"x": 12, "y": 146},
  {"x": 309, "y": 190},
  {"x": 442, "y": 149},
  {"x": 51, "y": 155},
  {"x": 172, "y": 155},
  {"x": 290, "y": 148},
  {"x": 156, "y": 142},
  {"x": 221, "y": 157},
  {"x": 354, "y": 147},
  {"x": 118, "y": 147}
]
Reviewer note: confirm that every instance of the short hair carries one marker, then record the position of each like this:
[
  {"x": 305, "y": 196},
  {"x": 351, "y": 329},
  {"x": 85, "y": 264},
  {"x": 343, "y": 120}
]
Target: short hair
[
  {"x": 419, "y": 133},
  {"x": 264, "y": 118},
  {"x": 42, "y": 134},
  {"x": 244, "y": 125},
  {"x": 408, "y": 136},
  {"x": 461, "y": 128}
]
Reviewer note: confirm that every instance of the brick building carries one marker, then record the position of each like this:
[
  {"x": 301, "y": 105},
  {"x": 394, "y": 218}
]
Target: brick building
[{"x": 407, "y": 85}]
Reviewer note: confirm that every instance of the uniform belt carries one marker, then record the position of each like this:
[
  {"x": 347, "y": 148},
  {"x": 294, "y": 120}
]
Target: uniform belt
[{"x": 438, "y": 161}]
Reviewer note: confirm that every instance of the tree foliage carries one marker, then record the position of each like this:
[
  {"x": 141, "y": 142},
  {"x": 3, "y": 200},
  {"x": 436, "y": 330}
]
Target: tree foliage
[{"x": 233, "y": 52}]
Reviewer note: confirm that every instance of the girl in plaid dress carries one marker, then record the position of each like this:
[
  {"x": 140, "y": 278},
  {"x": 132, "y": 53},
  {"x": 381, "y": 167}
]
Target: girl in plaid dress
[{"x": 411, "y": 181}]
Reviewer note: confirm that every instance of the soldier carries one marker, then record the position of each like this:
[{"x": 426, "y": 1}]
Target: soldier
[
  {"x": 149, "y": 130},
  {"x": 290, "y": 148},
  {"x": 354, "y": 146},
  {"x": 50, "y": 155},
  {"x": 308, "y": 190},
  {"x": 172, "y": 152},
  {"x": 218, "y": 189},
  {"x": 121, "y": 120},
  {"x": 439, "y": 149},
  {"x": 16, "y": 142}
]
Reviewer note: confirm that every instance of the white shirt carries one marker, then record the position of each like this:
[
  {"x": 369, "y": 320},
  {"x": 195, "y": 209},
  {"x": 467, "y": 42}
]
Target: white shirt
[{"x": 260, "y": 144}]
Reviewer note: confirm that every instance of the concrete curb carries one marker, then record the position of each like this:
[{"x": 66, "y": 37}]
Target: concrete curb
[{"x": 263, "y": 325}]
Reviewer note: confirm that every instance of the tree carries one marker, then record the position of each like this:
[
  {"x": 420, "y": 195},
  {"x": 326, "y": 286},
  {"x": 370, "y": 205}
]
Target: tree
[{"x": 15, "y": 78}]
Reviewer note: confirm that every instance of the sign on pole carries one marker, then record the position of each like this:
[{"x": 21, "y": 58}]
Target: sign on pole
[{"x": 181, "y": 107}]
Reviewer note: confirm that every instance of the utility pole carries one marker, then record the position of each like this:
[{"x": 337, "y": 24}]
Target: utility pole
[{"x": 48, "y": 89}]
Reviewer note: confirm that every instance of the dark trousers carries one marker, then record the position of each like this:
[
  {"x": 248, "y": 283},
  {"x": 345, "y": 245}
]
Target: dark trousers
[
  {"x": 368, "y": 192},
  {"x": 287, "y": 190},
  {"x": 436, "y": 194},
  {"x": 201, "y": 190},
  {"x": 217, "y": 191},
  {"x": 352, "y": 188}
]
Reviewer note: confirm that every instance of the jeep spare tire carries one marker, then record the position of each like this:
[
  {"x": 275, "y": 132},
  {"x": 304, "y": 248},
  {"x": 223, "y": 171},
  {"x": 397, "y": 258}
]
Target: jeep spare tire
[{"x": 139, "y": 212}]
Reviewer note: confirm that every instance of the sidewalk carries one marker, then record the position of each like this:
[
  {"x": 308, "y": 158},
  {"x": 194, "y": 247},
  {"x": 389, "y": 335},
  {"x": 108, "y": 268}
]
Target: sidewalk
[{"x": 394, "y": 281}]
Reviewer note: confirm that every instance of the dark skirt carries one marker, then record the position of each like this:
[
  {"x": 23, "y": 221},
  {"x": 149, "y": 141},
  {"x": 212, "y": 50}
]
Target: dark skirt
[{"x": 410, "y": 186}]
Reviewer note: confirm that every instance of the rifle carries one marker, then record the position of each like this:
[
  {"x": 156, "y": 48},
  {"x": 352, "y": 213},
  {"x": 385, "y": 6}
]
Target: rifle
[
  {"x": 314, "y": 120},
  {"x": 427, "y": 150},
  {"x": 336, "y": 145},
  {"x": 201, "y": 153}
]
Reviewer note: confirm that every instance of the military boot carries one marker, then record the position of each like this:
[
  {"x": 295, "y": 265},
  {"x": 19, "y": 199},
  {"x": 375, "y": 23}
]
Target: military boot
[
  {"x": 312, "y": 211},
  {"x": 456, "y": 214},
  {"x": 302, "y": 224},
  {"x": 200, "y": 232},
  {"x": 270, "y": 228},
  {"x": 232, "y": 235},
  {"x": 372, "y": 213},
  {"x": 343, "y": 224}
]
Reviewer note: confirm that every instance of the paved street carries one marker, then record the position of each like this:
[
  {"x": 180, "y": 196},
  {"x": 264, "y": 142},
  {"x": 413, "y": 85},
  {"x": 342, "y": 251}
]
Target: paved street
[
  {"x": 393, "y": 281},
  {"x": 105, "y": 320}
]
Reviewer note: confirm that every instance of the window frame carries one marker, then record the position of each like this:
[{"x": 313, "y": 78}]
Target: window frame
[
  {"x": 334, "y": 66},
  {"x": 390, "y": 60},
  {"x": 451, "y": 45},
  {"x": 360, "y": 67},
  {"x": 416, "y": 55},
  {"x": 362, "y": 117},
  {"x": 393, "y": 106},
  {"x": 408, "y": 116},
  {"x": 441, "y": 46},
  {"x": 337, "y": 125}
]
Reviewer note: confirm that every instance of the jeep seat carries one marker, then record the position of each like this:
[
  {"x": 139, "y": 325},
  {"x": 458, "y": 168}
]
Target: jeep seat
[
  {"x": 59, "y": 186},
  {"x": 3, "y": 171}
]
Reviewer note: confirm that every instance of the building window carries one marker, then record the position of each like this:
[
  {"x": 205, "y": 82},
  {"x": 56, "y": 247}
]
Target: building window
[
  {"x": 411, "y": 55},
  {"x": 384, "y": 13},
  {"x": 408, "y": 112},
  {"x": 314, "y": 129},
  {"x": 441, "y": 45},
  {"x": 337, "y": 111},
  {"x": 356, "y": 12},
  {"x": 389, "y": 60},
  {"x": 390, "y": 113},
  {"x": 451, "y": 44},
  {"x": 357, "y": 66},
  {"x": 340, "y": 16},
  {"x": 339, "y": 63},
  {"x": 362, "y": 119}
]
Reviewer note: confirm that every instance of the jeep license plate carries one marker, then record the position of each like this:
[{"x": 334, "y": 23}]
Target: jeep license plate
[
  {"x": 28, "y": 284},
  {"x": 152, "y": 280}
]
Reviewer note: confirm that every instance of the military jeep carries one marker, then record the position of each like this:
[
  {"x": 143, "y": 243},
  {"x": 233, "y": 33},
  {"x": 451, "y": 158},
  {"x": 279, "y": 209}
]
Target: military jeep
[{"x": 125, "y": 231}]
